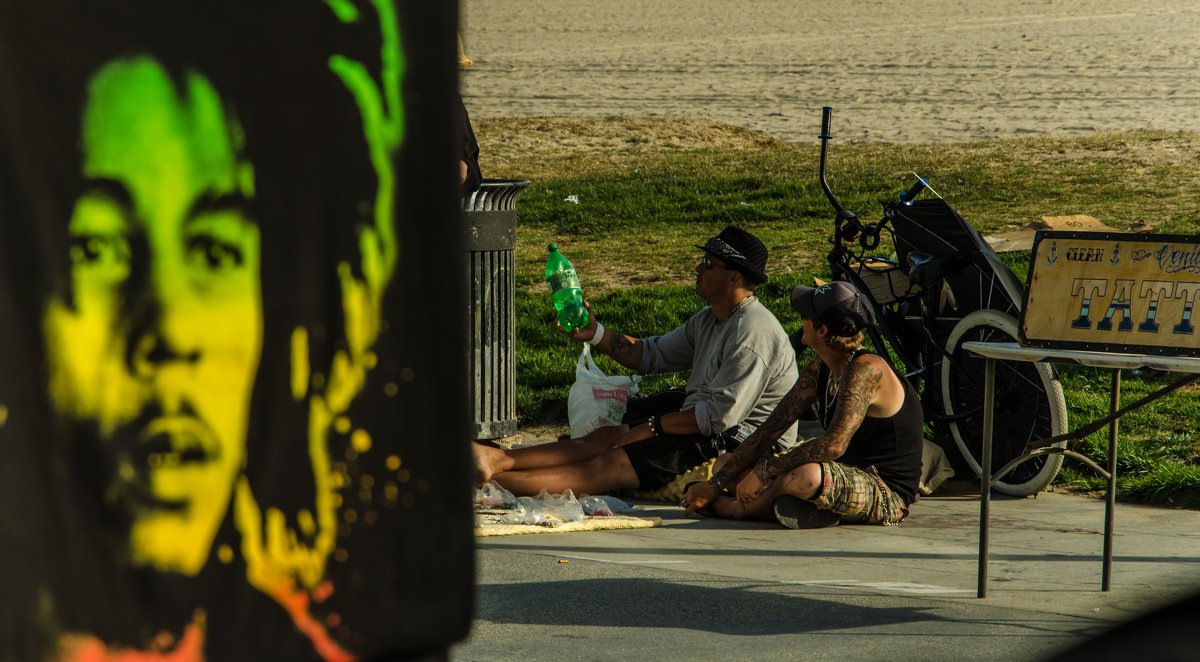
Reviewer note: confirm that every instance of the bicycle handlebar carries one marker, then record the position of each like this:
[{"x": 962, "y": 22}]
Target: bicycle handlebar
[
  {"x": 913, "y": 191},
  {"x": 826, "y": 113},
  {"x": 847, "y": 224}
]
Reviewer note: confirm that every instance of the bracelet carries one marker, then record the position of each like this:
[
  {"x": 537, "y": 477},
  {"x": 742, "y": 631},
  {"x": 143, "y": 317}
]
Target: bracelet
[
  {"x": 655, "y": 423},
  {"x": 763, "y": 474},
  {"x": 599, "y": 334},
  {"x": 717, "y": 482}
]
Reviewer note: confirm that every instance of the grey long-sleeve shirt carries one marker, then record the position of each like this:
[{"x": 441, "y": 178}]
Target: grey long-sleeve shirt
[{"x": 741, "y": 368}]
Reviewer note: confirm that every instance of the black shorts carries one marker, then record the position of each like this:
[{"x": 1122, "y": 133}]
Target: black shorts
[{"x": 657, "y": 461}]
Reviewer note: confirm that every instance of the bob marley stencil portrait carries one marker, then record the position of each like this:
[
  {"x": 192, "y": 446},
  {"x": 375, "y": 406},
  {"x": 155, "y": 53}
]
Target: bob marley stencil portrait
[
  {"x": 158, "y": 343},
  {"x": 221, "y": 215}
]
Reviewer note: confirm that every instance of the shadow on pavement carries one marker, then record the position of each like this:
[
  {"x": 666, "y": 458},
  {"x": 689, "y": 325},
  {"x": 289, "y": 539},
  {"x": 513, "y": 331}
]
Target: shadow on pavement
[{"x": 650, "y": 603}]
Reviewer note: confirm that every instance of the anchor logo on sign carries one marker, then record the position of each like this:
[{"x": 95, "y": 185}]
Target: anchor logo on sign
[
  {"x": 1053, "y": 253},
  {"x": 1116, "y": 255}
]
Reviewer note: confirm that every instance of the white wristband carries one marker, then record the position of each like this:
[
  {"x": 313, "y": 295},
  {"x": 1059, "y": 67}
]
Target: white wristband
[{"x": 599, "y": 335}]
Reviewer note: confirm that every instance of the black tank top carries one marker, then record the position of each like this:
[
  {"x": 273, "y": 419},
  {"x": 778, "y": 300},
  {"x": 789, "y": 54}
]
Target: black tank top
[{"x": 892, "y": 445}]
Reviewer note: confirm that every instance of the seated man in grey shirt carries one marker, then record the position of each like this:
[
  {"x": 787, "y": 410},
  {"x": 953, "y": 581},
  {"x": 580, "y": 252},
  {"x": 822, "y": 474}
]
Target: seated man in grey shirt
[{"x": 742, "y": 365}]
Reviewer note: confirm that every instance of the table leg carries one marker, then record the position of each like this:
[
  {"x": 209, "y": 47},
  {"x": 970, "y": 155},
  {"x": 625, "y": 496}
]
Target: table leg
[
  {"x": 1111, "y": 497},
  {"x": 985, "y": 473}
]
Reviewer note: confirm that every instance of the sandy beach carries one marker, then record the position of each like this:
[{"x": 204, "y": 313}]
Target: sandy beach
[{"x": 934, "y": 71}]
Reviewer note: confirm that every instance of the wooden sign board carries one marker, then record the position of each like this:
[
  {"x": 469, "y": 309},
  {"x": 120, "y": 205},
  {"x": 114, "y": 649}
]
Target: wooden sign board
[{"x": 1114, "y": 292}]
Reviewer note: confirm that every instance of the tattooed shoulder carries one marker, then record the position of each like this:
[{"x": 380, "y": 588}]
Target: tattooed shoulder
[{"x": 862, "y": 386}]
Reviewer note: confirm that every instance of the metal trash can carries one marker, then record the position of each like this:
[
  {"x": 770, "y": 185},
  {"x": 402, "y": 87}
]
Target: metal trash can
[{"x": 490, "y": 216}]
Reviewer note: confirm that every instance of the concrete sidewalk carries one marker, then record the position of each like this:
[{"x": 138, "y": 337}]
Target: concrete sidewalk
[{"x": 714, "y": 589}]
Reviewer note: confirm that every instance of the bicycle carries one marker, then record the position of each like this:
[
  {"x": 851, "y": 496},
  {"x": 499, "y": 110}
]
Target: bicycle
[{"x": 946, "y": 286}]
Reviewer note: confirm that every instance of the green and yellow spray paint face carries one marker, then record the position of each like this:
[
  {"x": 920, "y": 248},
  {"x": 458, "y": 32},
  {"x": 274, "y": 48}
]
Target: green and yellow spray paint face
[{"x": 159, "y": 342}]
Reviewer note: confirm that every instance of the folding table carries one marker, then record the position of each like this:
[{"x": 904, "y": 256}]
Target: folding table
[{"x": 993, "y": 352}]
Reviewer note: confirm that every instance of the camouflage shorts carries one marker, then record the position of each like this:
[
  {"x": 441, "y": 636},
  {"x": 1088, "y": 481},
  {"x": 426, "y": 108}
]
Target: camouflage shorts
[{"x": 858, "y": 496}]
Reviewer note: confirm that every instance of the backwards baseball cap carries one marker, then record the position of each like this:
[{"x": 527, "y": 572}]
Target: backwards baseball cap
[
  {"x": 837, "y": 305},
  {"x": 739, "y": 250}
]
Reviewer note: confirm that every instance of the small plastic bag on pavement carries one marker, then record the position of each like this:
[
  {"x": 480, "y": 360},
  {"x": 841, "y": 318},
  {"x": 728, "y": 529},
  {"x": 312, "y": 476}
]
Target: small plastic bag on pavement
[
  {"x": 563, "y": 507},
  {"x": 546, "y": 509},
  {"x": 594, "y": 506},
  {"x": 603, "y": 505},
  {"x": 492, "y": 495},
  {"x": 525, "y": 512}
]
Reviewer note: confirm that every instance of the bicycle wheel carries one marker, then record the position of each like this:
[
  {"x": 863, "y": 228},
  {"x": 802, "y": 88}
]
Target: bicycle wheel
[{"x": 1029, "y": 404}]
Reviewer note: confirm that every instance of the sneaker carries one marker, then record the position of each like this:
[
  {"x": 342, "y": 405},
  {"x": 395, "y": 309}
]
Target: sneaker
[{"x": 796, "y": 513}]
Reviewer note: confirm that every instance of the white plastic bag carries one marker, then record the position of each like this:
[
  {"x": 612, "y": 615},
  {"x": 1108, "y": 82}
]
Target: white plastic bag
[
  {"x": 603, "y": 505},
  {"x": 546, "y": 509},
  {"x": 597, "y": 399},
  {"x": 493, "y": 495}
]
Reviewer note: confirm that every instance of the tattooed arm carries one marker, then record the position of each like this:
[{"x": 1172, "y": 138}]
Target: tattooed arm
[
  {"x": 860, "y": 391},
  {"x": 624, "y": 349},
  {"x": 800, "y": 398}
]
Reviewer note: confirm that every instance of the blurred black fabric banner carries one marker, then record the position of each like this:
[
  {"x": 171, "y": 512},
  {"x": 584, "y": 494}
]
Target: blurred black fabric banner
[{"x": 232, "y": 405}]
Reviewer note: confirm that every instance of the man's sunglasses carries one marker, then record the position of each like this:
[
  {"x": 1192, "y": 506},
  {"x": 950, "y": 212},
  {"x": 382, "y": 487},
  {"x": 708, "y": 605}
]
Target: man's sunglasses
[{"x": 706, "y": 264}]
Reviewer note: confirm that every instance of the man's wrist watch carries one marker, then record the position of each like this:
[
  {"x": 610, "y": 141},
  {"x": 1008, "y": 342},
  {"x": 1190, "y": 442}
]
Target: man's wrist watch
[{"x": 719, "y": 483}]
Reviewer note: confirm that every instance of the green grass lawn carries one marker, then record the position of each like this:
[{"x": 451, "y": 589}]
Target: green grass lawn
[{"x": 640, "y": 211}]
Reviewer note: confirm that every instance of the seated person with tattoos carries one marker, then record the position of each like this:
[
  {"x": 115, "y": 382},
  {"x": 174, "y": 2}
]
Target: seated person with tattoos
[
  {"x": 742, "y": 365},
  {"x": 864, "y": 469}
]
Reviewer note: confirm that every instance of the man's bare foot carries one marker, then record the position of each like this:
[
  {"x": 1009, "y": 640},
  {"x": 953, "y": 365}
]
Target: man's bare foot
[{"x": 483, "y": 463}]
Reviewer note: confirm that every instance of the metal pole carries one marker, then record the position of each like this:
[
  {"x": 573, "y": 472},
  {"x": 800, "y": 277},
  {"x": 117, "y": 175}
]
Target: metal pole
[
  {"x": 1111, "y": 499},
  {"x": 985, "y": 472}
]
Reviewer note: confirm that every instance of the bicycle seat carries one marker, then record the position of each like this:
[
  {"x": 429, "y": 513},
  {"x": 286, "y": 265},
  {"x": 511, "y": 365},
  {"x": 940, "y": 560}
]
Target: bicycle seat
[{"x": 925, "y": 269}]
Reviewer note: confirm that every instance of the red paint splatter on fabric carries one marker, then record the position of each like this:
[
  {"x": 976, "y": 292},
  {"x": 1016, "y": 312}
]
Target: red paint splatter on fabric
[
  {"x": 190, "y": 647},
  {"x": 296, "y": 604}
]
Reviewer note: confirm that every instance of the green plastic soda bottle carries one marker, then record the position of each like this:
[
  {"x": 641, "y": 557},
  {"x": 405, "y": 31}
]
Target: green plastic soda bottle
[{"x": 564, "y": 290}]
